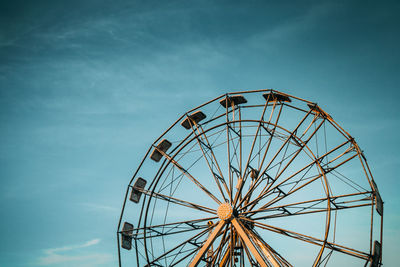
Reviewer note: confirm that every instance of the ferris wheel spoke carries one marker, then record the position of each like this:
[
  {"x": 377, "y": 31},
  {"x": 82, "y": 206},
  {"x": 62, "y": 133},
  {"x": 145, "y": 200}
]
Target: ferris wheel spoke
[
  {"x": 222, "y": 254},
  {"x": 271, "y": 133},
  {"x": 346, "y": 201},
  {"x": 246, "y": 240},
  {"x": 292, "y": 134},
  {"x": 325, "y": 171},
  {"x": 309, "y": 125},
  {"x": 295, "y": 155},
  {"x": 205, "y": 143},
  {"x": 218, "y": 252},
  {"x": 316, "y": 161},
  {"x": 177, "y": 201},
  {"x": 239, "y": 191},
  {"x": 304, "y": 144},
  {"x": 187, "y": 174},
  {"x": 214, "y": 161},
  {"x": 191, "y": 240},
  {"x": 228, "y": 144},
  {"x": 313, "y": 240},
  {"x": 160, "y": 230},
  {"x": 234, "y": 149},
  {"x": 287, "y": 213},
  {"x": 262, "y": 252},
  {"x": 285, "y": 143},
  {"x": 249, "y": 257},
  {"x": 251, "y": 204},
  {"x": 173, "y": 258},
  {"x": 183, "y": 257},
  {"x": 279, "y": 189},
  {"x": 268, "y": 250},
  {"x": 206, "y": 245},
  {"x": 240, "y": 142}
]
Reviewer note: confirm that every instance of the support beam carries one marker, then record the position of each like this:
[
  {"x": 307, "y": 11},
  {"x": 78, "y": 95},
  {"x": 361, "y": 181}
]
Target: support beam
[
  {"x": 243, "y": 235},
  {"x": 207, "y": 244}
]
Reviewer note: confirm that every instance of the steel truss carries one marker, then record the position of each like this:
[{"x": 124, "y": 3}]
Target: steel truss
[{"x": 254, "y": 178}]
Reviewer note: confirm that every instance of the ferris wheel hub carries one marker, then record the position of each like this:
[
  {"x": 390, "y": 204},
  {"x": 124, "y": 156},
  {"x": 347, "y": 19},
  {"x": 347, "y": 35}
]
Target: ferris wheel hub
[{"x": 225, "y": 211}]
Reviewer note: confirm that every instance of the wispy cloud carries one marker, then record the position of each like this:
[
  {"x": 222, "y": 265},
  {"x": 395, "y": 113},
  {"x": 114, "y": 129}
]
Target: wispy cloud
[
  {"x": 294, "y": 26},
  {"x": 72, "y": 247},
  {"x": 72, "y": 254}
]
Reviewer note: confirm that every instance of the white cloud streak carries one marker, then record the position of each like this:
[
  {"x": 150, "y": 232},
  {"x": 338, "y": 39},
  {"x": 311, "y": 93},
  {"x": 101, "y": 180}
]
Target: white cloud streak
[
  {"x": 72, "y": 247},
  {"x": 72, "y": 254}
]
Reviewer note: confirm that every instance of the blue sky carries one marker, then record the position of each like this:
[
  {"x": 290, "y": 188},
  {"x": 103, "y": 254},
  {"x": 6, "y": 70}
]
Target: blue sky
[{"x": 86, "y": 86}]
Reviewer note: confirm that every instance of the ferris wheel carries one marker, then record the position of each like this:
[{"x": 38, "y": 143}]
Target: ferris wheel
[{"x": 252, "y": 178}]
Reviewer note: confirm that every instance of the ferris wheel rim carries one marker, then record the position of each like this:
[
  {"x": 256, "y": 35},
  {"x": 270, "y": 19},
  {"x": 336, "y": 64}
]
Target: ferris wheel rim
[{"x": 166, "y": 162}]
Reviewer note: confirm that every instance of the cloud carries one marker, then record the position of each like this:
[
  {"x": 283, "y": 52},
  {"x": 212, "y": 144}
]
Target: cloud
[
  {"x": 66, "y": 248},
  {"x": 73, "y": 254},
  {"x": 292, "y": 27}
]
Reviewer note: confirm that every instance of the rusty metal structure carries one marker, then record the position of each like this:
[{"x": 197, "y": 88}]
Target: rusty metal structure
[{"x": 252, "y": 178}]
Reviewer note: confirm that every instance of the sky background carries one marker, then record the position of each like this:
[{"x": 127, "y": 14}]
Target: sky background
[{"x": 87, "y": 86}]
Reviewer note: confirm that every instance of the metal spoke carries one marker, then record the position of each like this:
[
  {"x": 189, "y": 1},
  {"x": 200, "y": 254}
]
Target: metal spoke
[
  {"x": 287, "y": 209},
  {"x": 187, "y": 174},
  {"x": 310, "y": 181},
  {"x": 297, "y": 153},
  {"x": 177, "y": 201},
  {"x": 207, "y": 244},
  {"x": 316, "y": 161},
  {"x": 218, "y": 251},
  {"x": 188, "y": 225},
  {"x": 254, "y": 248},
  {"x": 178, "y": 246},
  {"x": 201, "y": 144},
  {"x": 276, "y": 154},
  {"x": 292, "y": 135},
  {"x": 239, "y": 191},
  {"x": 314, "y": 240},
  {"x": 247, "y": 196},
  {"x": 228, "y": 145}
]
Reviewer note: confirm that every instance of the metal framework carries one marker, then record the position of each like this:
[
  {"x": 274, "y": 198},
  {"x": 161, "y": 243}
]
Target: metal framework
[{"x": 252, "y": 178}]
